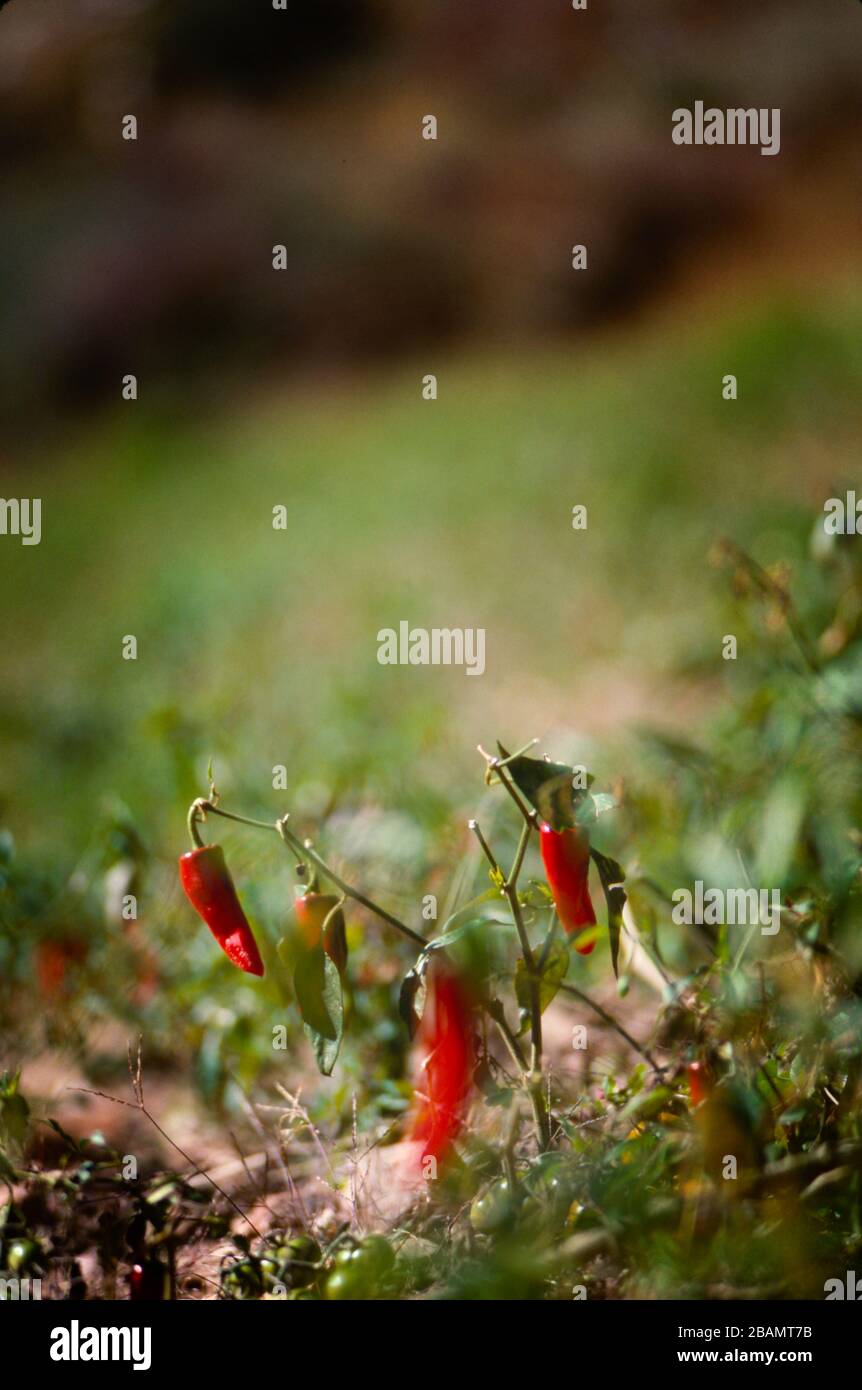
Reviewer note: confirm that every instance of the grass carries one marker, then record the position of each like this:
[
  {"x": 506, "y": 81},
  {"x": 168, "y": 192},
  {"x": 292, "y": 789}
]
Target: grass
[{"x": 258, "y": 646}]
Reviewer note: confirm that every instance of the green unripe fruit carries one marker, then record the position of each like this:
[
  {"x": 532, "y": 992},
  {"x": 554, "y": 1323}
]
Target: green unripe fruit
[
  {"x": 494, "y": 1210},
  {"x": 21, "y": 1255}
]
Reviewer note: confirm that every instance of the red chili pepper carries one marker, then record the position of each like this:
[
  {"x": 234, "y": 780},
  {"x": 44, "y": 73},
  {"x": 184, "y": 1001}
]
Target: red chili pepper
[
  {"x": 312, "y": 910},
  {"x": 209, "y": 888},
  {"x": 147, "y": 1282},
  {"x": 445, "y": 1039},
  {"x": 566, "y": 857},
  {"x": 53, "y": 959},
  {"x": 699, "y": 1082}
]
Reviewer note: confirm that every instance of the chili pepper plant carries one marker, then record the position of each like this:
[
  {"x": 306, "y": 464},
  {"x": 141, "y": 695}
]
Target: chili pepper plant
[
  {"x": 728, "y": 1160},
  {"x": 550, "y": 802},
  {"x": 697, "y": 1134}
]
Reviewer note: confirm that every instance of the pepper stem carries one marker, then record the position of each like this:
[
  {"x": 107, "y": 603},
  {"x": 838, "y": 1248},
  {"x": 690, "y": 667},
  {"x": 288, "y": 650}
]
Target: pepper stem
[
  {"x": 192, "y": 821},
  {"x": 306, "y": 856}
]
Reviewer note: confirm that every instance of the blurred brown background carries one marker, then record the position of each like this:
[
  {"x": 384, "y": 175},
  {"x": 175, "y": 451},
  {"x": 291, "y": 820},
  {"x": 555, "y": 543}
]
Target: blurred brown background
[{"x": 302, "y": 127}]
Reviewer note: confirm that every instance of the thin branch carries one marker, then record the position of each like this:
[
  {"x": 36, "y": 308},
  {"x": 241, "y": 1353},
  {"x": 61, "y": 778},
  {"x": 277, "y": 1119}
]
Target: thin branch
[
  {"x": 510, "y": 889},
  {"x": 496, "y": 765},
  {"x": 608, "y": 1018},
  {"x": 311, "y": 853},
  {"x": 486, "y": 848},
  {"x": 198, "y": 1171},
  {"x": 303, "y": 852}
]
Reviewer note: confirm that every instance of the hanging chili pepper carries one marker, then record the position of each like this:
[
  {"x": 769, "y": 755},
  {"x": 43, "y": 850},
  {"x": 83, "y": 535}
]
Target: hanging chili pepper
[
  {"x": 699, "y": 1082},
  {"x": 209, "y": 888},
  {"x": 147, "y": 1281},
  {"x": 566, "y": 857},
  {"x": 445, "y": 1040},
  {"x": 312, "y": 910}
]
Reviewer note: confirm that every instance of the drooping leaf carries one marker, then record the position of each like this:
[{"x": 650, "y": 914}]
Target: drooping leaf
[
  {"x": 317, "y": 984},
  {"x": 335, "y": 940},
  {"x": 612, "y": 877},
  {"x": 411, "y": 1000},
  {"x": 549, "y": 788}
]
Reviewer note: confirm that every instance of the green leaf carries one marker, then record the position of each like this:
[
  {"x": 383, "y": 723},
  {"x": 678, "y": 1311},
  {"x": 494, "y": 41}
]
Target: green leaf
[
  {"x": 14, "y": 1110},
  {"x": 467, "y": 913},
  {"x": 411, "y": 1000},
  {"x": 439, "y": 943},
  {"x": 553, "y": 973},
  {"x": 321, "y": 1003},
  {"x": 593, "y": 805},
  {"x": 648, "y": 1104},
  {"x": 612, "y": 878},
  {"x": 548, "y": 787},
  {"x": 210, "y": 1065},
  {"x": 500, "y": 1095},
  {"x": 536, "y": 895}
]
